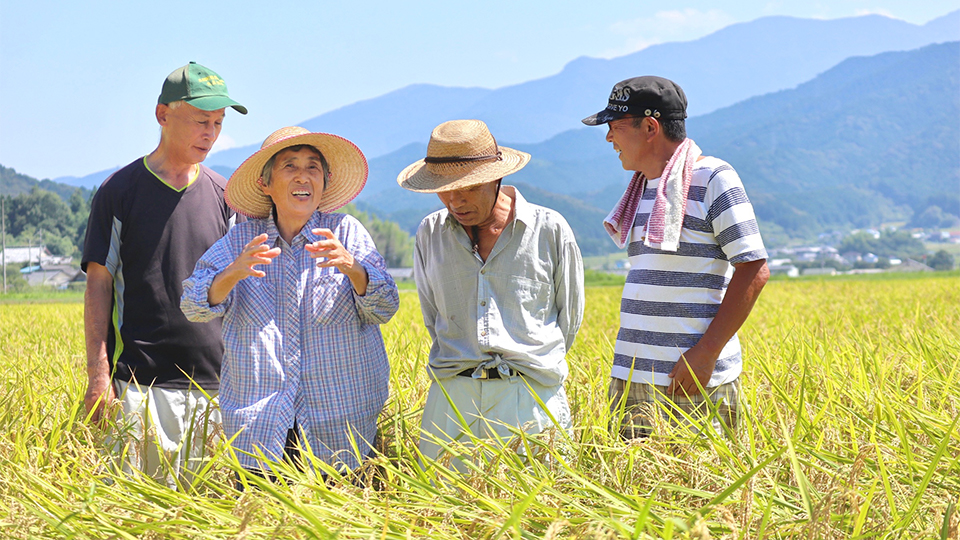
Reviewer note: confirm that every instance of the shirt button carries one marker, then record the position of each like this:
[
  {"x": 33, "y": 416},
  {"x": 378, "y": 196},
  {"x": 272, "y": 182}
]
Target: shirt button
[
  {"x": 484, "y": 271},
  {"x": 483, "y": 333},
  {"x": 483, "y": 303}
]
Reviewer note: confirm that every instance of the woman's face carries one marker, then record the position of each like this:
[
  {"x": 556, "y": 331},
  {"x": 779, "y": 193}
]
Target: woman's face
[{"x": 296, "y": 183}]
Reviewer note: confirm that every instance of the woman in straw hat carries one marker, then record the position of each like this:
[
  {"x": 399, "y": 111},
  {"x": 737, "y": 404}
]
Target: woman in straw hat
[{"x": 303, "y": 292}]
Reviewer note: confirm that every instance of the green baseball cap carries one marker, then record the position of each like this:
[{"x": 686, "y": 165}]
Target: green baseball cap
[{"x": 198, "y": 86}]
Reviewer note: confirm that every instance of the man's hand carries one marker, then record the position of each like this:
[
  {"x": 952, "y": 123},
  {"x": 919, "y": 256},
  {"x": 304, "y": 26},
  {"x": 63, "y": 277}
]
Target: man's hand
[
  {"x": 338, "y": 257},
  {"x": 694, "y": 365},
  {"x": 99, "y": 400}
]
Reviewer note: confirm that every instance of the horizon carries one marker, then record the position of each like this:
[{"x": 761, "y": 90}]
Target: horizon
[{"x": 77, "y": 45}]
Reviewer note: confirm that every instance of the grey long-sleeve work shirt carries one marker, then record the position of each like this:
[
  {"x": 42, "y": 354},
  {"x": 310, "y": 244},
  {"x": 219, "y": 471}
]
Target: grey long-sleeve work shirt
[{"x": 520, "y": 309}]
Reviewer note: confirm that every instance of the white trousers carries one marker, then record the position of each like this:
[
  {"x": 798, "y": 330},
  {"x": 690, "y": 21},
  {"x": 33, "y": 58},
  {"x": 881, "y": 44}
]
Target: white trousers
[
  {"x": 489, "y": 408},
  {"x": 164, "y": 433}
]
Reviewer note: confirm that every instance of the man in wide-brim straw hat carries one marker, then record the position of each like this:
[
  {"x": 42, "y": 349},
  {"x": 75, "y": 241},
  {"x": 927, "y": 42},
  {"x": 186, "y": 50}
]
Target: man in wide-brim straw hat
[
  {"x": 304, "y": 361},
  {"x": 501, "y": 289}
]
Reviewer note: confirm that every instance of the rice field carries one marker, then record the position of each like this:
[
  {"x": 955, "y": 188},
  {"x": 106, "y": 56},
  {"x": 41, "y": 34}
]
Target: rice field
[{"x": 852, "y": 387}]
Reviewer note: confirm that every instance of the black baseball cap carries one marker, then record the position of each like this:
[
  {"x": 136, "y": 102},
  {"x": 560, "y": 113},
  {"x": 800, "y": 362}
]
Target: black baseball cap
[{"x": 643, "y": 96}]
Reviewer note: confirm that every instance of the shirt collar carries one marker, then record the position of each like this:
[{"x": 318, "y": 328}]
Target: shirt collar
[
  {"x": 315, "y": 222},
  {"x": 522, "y": 210},
  {"x": 273, "y": 233}
]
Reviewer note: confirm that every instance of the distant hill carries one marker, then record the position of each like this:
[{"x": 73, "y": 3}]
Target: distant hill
[
  {"x": 871, "y": 140},
  {"x": 13, "y": 183},
  {"x": 718, "y": 70},
  {"x": 93, "y": 180},
  {"x": 868, "y": 140},
  {"x": 733, "y": 64},
  {"x": 90, "y": 181},
  {"x": 382, "y": 124}
]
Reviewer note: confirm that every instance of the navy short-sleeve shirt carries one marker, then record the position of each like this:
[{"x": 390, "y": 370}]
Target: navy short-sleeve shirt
[{"x": 149, "y": 236}]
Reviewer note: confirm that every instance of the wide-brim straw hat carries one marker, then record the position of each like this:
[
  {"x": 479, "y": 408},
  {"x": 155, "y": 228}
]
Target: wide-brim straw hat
[
  {"x": 461, "y": 154},
  {"x": 348, "y": 171}
]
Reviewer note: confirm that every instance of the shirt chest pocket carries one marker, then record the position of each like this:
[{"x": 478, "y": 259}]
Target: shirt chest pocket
[
  {"x": 533, "y": 297},
  {"x": 255, "y": 304},
  {"x": 333, "y": 300}
]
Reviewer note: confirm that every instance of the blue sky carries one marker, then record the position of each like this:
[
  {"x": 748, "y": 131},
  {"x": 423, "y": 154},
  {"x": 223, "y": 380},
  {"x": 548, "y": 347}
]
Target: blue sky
[{"x": 79, "y": 80}]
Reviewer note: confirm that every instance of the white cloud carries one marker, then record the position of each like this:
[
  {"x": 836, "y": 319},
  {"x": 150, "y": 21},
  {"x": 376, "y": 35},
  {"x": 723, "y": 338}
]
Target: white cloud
[
  {"x": 664, "y": 26},
  {"x": 223, "y": 142},
  {"x": 876, "y": 11}
]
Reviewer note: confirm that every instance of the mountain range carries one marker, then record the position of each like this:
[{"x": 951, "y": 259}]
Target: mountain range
[
  {"x": 872, "y": 140},
  {"x": 730, "y": 65},
  {"x": 826, "y": 128}
]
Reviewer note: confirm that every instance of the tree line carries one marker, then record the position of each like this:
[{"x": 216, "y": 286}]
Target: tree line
[
  {"x": 39, "y": 216},
  {"x": 43, "y": 217},
  {"x": 394, "y": 243},
  {"x": 895, "y": 244}
]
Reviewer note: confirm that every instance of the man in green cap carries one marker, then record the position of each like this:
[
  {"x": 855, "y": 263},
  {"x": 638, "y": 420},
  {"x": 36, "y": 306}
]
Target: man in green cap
[{"x": 149, "y": 223}]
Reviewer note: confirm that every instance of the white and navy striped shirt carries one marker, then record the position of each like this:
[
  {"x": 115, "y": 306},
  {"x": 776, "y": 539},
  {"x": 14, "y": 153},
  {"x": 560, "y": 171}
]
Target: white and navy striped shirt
[{"x": 670, "y": 298}]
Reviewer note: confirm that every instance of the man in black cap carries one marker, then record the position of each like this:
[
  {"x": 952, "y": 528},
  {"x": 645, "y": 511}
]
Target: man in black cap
[
  {"x": 697, "y": 264},
  {"x": 149, "y": 223}
]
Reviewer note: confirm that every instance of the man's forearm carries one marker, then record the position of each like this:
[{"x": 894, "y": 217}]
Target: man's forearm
[
  {"x": 97, "y": 303},
  {"x": 96, "y": 321},
  {"x": 696, "y": 365},
  {"x": 738, "y": 301}
]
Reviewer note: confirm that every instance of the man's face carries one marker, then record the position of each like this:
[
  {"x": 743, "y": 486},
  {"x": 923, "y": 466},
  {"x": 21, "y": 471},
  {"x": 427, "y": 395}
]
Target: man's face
[
  {"x": 472, "y": 205},
  {"x": 296, "y": 183},
  {"x": 190, "y": 131},
  {"x": 630, "y": 142}
]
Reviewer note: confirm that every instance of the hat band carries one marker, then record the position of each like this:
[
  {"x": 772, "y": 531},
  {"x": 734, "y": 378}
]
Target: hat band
[{"x": 465, "y": 159}]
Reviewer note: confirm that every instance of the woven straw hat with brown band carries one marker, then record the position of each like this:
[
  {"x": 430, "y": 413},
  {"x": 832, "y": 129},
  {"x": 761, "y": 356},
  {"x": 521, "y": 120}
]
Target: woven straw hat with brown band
[
  {"x": 348, "y": 171},
  {"x": 461, "y": 154}
]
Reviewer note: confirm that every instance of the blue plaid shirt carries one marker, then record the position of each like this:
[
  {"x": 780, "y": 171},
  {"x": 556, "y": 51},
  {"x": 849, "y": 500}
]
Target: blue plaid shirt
[{"x": 300, "y": 343}]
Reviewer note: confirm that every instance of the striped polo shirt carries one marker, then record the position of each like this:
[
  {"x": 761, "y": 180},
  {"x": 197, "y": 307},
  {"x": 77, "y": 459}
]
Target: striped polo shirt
[{"x": 670, "y": 298}]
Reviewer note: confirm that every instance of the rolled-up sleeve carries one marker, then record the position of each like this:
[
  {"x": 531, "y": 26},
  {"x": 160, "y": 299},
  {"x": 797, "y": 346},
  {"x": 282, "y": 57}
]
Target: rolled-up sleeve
[
  {"x": 382, "y": 299},
  {"x": 194, "y": 302}
]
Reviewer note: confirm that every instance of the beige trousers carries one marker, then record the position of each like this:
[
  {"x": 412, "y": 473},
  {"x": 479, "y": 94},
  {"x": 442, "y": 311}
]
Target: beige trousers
[
  {"x": 164, "y": 433},
  {"x": 489, "y": 407}
]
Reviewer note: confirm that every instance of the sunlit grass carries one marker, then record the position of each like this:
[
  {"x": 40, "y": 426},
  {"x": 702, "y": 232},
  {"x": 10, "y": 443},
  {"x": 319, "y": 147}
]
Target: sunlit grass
[{"x": 852, "y": 386}]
